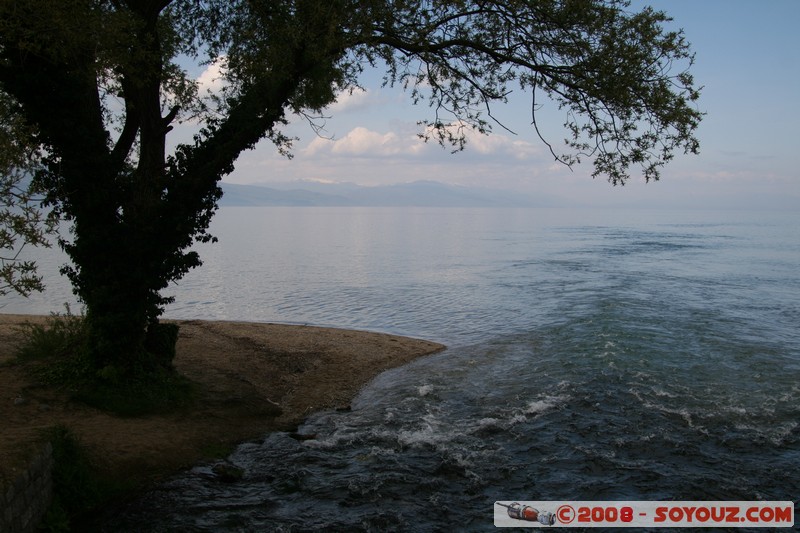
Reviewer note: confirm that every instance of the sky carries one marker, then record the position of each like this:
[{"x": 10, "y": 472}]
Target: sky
[{"x": 747, "y": 60}]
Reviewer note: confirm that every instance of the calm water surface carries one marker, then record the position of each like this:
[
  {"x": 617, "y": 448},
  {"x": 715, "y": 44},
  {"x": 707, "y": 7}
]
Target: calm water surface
[{"x": 594, "y": 355}]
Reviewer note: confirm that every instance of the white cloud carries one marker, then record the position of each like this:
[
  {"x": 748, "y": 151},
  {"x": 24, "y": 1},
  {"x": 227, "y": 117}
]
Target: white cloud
[
  {"x": 352, "y": 100},
  {"x": 212, "y": 80},
  {"x": 363, "y": 142},
  {"x": 499, "y": 144}
]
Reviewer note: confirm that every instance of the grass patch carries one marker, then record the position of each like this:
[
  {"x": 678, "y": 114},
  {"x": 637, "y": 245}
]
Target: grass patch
[
  {"x": 161, "y": 392},
  {"x": 58, "y": 356},
  {"x": 78, "y": 486},
  {"x": 58, "y": 348}
]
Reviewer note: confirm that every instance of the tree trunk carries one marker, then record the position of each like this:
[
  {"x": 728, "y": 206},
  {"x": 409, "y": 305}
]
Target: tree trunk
[
  {"x": 121, "y": 290},
  {"x": 117, "y": 248},
  {"x": 135, "y": 212}
]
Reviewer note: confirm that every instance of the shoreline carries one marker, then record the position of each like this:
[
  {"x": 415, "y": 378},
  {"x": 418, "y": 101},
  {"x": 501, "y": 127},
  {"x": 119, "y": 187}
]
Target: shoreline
[{"x": 251, "y": 379}]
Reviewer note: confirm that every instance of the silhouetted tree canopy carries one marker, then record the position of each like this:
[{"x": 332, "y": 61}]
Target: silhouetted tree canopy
[
  {"x": 22, "y": 222},
  {"x": 101, "y": 83}
]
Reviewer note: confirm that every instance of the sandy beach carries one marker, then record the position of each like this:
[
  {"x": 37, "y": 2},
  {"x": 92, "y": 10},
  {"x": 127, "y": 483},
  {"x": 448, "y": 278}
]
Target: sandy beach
[{"x": 251, "y": 378}]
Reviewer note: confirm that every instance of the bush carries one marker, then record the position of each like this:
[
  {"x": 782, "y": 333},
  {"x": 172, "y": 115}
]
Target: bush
[
  {"x": 160, "y": 391},
  {"x": 80, "y": 487},
  {"x": 76, "y": 486},
  {"x": 60, "y": 357},
  {"x": 60, "y": 347}
]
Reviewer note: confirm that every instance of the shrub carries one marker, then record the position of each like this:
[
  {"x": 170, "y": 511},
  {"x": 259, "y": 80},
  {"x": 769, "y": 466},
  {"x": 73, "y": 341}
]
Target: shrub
[
  {"x": 59, "y": 346},
  {"x": 76, "y": 485},
  {"x": 59, "y": 353}
]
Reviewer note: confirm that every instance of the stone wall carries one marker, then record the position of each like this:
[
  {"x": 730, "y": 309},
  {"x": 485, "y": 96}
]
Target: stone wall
[{"x": 24, "y": 502}]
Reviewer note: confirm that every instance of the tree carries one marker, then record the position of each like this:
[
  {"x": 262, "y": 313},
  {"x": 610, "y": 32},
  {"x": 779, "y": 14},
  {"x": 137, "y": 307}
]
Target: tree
[
  {"x": 99, "y": 81},
  {"x": 22, "y": 223}
]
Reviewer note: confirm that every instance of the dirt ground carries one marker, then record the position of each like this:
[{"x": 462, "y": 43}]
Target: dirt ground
[{"x": 252, "y": 378}]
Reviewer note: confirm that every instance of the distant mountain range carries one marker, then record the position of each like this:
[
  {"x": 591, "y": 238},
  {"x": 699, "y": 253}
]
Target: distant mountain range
[{"x": 413, "y": 194}]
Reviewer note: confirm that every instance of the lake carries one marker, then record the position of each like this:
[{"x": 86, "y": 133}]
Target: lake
[{"x": 593, "y": 355}]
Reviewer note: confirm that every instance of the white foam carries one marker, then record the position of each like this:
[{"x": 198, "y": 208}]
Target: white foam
[
  {"x": 424, "y": 390},
  {"x": 662, "y": 393},
  {"x": 518, "y": 419},
  {"x": 489, "y": 422},
  {"x": 782, "y": 432},
  {"x": 736, "y": 410},
  {"x": 540, "y": 406},
  {"x": 431, "y": 433}
]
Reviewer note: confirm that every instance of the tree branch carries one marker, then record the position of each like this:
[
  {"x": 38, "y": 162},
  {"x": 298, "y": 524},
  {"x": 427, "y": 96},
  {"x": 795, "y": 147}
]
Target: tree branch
[{"x": 128, "y": 135}]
